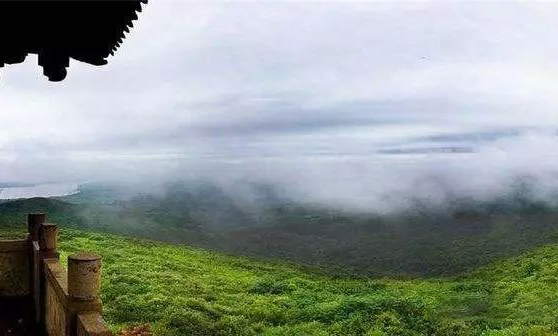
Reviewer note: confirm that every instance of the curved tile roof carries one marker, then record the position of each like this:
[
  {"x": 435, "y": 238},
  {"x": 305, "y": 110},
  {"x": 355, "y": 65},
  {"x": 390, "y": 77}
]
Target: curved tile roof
[{"x": 85, "y": 30}]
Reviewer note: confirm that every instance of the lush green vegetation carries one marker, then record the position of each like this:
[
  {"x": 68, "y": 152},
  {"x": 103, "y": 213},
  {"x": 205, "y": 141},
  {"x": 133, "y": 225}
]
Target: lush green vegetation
[
  {"x": 423, "y": 241},
  {"x": 189, "y": 291},
  {"x": 184, "y": 290}
]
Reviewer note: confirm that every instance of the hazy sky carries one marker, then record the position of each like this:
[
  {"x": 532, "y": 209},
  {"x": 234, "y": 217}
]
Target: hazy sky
[{"x": 340, "y": 101}]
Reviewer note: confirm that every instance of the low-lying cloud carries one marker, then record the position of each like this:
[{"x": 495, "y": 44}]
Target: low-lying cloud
[{"x": 358, "y": 105}]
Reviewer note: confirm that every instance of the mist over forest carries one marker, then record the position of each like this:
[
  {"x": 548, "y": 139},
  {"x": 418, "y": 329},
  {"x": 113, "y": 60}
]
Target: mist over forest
[
  {"x": 423, "y": 208},
  {"x": 290, "y": 168},
  {"x": 349, "y": 105},
  {"x": 450, "y": 235}
]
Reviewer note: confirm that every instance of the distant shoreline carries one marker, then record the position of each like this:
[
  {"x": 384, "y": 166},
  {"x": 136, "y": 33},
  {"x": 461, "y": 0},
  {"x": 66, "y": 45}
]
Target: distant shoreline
[{"x": 22, "y": 191}]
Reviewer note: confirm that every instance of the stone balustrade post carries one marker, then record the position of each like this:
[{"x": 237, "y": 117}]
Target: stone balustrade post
[
  {"x": 84, "y": 285},
  {"x": 34, "y": 221},
  {"x": 67, "y": 303},
  {"x": 44, "y": 240},
  {"x": 48, "y": 240},
  {"x": 84, "y": 276}
]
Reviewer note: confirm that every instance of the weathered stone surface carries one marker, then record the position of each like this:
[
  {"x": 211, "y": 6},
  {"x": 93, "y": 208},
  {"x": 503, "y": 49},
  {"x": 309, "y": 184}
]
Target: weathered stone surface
[
  {"x": 14, "y": 269},
  {"x": 33, "y": 223},
  {"x": 92, "y": 324},
  {"x": 55, "y": 315},
  {"x": 30, "y": 271},
  {"x": 48, "y": 236},
  {"x": 84, "y": 276},
  {"x": 16, "y": 245}
]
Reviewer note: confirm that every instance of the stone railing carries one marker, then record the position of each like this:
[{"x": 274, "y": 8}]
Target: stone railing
[
  {"x": 64, "y": 303},
  {"x": 14, "y": 268}
]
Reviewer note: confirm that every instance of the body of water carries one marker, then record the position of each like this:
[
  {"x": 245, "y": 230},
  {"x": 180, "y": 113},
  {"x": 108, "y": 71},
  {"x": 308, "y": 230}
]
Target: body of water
[{"x": 39, "y": 190}]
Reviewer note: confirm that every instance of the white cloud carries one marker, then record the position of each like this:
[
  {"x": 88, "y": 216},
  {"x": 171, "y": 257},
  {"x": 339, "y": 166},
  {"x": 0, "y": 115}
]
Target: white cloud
[{"x": 283, "y": 90}]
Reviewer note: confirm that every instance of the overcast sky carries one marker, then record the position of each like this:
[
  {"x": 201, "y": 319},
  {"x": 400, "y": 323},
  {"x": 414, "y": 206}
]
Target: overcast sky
[{"x": 340, "y": 101}]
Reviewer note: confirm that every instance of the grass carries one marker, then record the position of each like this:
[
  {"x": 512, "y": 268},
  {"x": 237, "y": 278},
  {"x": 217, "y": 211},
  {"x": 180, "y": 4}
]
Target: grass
[
  {"x": 187, "y": 291},
  {"x": 8, "y": 233}
]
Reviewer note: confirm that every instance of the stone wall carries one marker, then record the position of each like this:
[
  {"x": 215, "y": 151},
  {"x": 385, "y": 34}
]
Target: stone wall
[
  {"x": 70, "y": 305},
  {"x": 65, "y": 303},
  {"x": 91, "y": 324},
  {"x": 14, "y": 268},
  {"x": 55, "y": 300}
]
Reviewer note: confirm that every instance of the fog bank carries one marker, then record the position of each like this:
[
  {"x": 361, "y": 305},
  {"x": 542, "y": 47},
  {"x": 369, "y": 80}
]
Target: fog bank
[{"x": 366, "y": 106}]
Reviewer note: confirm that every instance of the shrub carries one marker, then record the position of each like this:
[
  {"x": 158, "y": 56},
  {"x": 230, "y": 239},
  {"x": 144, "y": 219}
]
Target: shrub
[
  {"x": 188, "y": 322},
  {"x": 233, "y": 326},
  {"x": 303, "y": 329},
  {"x": 453, "y": 328},
  {"x": 521, "y": 331},
  {"x": 270, "y": 286}
]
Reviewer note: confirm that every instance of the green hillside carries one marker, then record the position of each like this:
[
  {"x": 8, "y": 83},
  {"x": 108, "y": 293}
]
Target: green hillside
[
  {"x": 182, "y": 290},
  {"x": 421, "y": 241},
  {"x": 186, "y": 291}
]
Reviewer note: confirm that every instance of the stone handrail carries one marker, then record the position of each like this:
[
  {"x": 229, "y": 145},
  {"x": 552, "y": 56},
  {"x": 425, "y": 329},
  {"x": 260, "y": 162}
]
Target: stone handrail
[
  {"x": 14, "y": 268},
  {"x": 65, "y": 303}
]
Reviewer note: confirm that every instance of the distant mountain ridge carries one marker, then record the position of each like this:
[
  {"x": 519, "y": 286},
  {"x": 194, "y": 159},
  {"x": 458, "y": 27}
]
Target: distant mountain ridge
[{"x": 419, "y": 242}]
